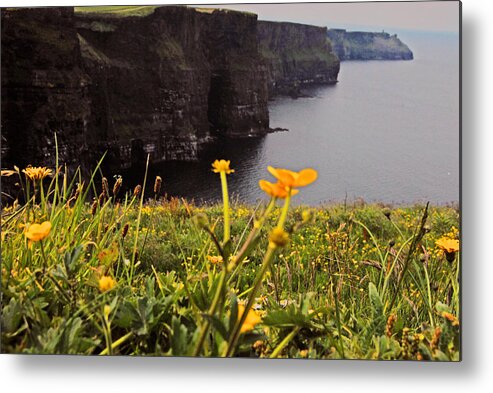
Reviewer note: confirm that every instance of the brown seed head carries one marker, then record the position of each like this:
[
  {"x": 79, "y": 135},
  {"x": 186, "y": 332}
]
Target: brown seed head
[
  {"x": 106, "y": 187},
  {"x": 94, "y": 207},
  {"x": 117, "y": 186},
  {"x": 157, "y": 184},
  {"x": 124, "y": 231}
]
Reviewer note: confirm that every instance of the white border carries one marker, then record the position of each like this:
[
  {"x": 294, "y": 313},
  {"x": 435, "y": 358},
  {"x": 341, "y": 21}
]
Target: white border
[{"x": 84, "y": 374}]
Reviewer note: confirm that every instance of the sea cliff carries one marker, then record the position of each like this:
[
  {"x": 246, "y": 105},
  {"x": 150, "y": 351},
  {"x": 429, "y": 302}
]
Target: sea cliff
[
  {"x": 297, "y": 55},
  {"x": 161, "y": 81},
  {"x": 359, "y": 45}
]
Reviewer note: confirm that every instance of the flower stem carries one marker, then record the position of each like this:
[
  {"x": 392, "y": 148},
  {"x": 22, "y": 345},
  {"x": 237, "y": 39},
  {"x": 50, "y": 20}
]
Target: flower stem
[
  {"x": 137, "y": 228},
  {"x": 235, "y": 335},
  {"x": 45, "y": 260},
  {"x": 284, "y": 342},
  {"x": 117, "y": 343},
  {"x": 269, "y": 255},
  {"x": 224, "y": 186},
  {"x": 211, "y": 312},
  {"x": 243, "y": 253},
  {"x": 284, "y": 213},
  {"x": 222, "y": 281}
]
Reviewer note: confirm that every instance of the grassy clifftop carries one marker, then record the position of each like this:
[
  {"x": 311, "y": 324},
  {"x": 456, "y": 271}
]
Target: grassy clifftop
[
  {"x": 117, "y": 11},
  {"x": 121, "y": 275}
]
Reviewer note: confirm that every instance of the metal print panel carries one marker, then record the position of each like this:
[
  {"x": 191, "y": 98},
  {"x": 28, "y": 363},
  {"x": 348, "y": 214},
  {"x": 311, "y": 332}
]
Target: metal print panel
[{"x": 244, "y": 180}]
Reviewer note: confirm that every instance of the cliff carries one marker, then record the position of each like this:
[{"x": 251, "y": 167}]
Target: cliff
[
  {"x": 163, "y": 82},
  {"x": 44, "y": 87},
  {"x": 297, "y": 55},
  {"x": 357, "y": 45},
  {"x": 158, "y": 80}
]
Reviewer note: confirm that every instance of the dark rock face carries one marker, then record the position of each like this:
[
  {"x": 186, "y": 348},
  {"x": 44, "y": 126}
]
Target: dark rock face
[
  {"x": 357, "y": 45},
  {"x": 297, "y": 55},
  {"x": 164, "y": 84},
  {"x": 44, "y": 88}
]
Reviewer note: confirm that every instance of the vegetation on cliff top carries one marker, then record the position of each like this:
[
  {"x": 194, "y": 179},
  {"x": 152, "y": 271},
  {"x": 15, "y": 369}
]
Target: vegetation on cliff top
[
  {"x": 122, "y": 275},
  {"x": 359, "y": 45},
  {"x": 117, "y": 11}
]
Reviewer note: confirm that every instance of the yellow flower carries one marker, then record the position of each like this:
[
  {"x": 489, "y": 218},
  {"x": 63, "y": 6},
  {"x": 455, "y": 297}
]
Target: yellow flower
[
  {"x": 294, "y": 179},
  {"x": 278, "y": 237},
  {"x": 215, "y": 260},
  {"x": 37, "y": 232},
  {"x": 37, "y": 172},
  {"x": 106, "y": 283},
  {"x": 277, "y": 190},
  {"x": 451, "y": 318},
  {"x": 448, "y": 245},
  {"x": 222, "y": 166},
  {"x": 251, "y": 320}
]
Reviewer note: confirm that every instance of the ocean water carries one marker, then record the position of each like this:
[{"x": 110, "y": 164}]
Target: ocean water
[{"x": 388, "y": 131}]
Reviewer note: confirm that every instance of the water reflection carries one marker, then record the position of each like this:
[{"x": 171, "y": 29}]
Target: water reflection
[{"x": 195, "y": 180}]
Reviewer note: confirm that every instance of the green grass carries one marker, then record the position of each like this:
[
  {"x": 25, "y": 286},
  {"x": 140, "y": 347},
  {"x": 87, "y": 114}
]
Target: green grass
[
  {"x": 117, "y": 11},
  {"x": 348, "y": 284}
]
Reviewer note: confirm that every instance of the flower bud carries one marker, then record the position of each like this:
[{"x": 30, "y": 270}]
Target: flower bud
[
  {"x": 101, "y": 199},
  {"x": 117, "y": 186},
  {"x": 137, "y": 190},
  {"x": 94, "y": 207},
  {"x": 157, "y": 184},
  {"x": 106, "y": 187},
  {"x": 124, "y": 231},
  {"x": 278, "y": 237},
  {"x": 306, "y": 215}
]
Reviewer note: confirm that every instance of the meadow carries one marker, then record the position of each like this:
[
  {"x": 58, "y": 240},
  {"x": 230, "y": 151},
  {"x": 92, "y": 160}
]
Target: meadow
[{"x": 128, "y": 274}]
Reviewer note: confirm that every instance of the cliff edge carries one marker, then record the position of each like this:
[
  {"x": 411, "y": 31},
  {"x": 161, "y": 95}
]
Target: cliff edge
[
  {"x": 359, "y": 45},
  {"x": 297, "y": 55}
]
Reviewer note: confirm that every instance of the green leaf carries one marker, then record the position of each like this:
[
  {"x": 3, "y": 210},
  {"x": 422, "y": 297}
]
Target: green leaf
[
  {"x": 179, "y": 338},
  {"x": 72, "y": 257},
  {"x": 440, "y": 356},
  {"x": 375, "y": 299},
  {"x": 217, "y": 324},
  {"x": 227, "y": 250},
  {"x": 288, "y": 317},
  {"x": 11, "y": 316},
  {"x": 425, "y": 351},
  {"x": 233, "y": 316},
  {"x": 441, "y": 308}
]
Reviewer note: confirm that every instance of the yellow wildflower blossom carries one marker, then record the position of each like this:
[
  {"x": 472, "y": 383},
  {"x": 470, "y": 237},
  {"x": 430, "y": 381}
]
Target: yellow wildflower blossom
[
  {"x": 215, "y": 259},
  {"x": 37, "y": 173},
  {"x": 219, "y": 166},
  {"x": 37, "y": 232},
  {"x": 451, "y": 318},
  {"x": 278, "y": 237},
  {"x": 448, "y": 245},
  {"x": 293, "y": 179},
  {"x": 106, "y": 283},
  {"x": 275, "y": 190},
  {"x": 251, "y": 320}
]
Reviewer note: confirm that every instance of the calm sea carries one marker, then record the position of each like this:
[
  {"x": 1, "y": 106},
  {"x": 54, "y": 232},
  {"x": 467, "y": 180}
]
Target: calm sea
[{"x": 388, "y": 131}]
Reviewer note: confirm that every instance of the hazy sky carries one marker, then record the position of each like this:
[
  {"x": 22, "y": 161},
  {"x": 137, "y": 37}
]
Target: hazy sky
[{"x": 419, "y": 15}]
